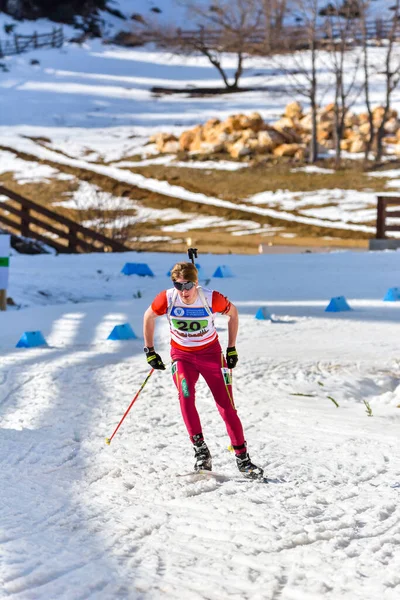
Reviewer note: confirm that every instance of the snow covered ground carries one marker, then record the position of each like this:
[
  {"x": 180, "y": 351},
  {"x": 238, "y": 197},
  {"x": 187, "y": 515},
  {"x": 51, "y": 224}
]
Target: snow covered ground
[
  {"x": 82, "y": 105},
  {"x": 92, "y": 106},
  {"x": 79, "y": 519}
]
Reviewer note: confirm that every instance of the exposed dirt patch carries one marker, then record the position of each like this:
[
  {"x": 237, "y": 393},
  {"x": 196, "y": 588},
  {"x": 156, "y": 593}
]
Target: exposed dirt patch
[
  {"x": 234, "y": 186},
  {"x": 268, "y": 176}
]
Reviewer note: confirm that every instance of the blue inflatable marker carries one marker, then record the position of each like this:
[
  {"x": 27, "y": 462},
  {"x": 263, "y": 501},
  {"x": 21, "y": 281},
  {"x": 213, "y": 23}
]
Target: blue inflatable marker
[
  {"x": 122, "y": 332},
  {"x": 141, "y": 269},
  {"x": 392, "y": 295},
  {"x": 337, "y": 304},
  {"x": 263, "y": 314},
  {"x": 31, "y": 339},
  {"x": 223, "y": 271}
]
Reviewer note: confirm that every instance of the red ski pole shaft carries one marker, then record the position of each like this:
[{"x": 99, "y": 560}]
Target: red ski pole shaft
[{"x": 108, "y": 440}]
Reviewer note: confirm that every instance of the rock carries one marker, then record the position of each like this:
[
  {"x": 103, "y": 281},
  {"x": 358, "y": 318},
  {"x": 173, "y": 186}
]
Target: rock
[
  {"x": 239, "y": 149},
  {"x": 254, "y": 122},
  {"x": 322, "y": 135},
  {"x": 211, "y": 148},
  {"x": 211, "y": 124},
  {"x": 357, "y": 145},
  {"x": 286, "y": 150},
  {"x": 350, "y": 134},
  {"x": 186, "y": 139},
  {"x": 171, "y": 147},
  {"x": 269, "y": 139},
  {"x": 287, "y": 128},
  {"x": 301, "y": 154},
  {"x": 293, "y": 110},
  {"x": 233, "y": 123},
  {"x": 198, "y": 139},
  {"x": 364, "y": 129},
  {"x": 241, "y": 135},
  {"x": 351, "y": 120},
  {"x": 390, "y": 139},
  {"x": 305, "y": 124},
  {"x": 345, "y": 145},
  {"x": 162, "y": 138},
  {"x": 248, "y": 134},
  {"x": 392, "y": 125}
]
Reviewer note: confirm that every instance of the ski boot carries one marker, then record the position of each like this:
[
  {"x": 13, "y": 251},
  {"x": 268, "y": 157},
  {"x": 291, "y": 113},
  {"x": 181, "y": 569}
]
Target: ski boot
[
  {"x": 201, "y": 454},
  {"x": 247, "y": 468}
]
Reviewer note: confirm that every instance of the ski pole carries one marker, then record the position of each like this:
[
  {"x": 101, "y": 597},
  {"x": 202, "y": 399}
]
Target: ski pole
[
  {"x": 192, "y": 254},
  {"x": 108, "y": 440}
]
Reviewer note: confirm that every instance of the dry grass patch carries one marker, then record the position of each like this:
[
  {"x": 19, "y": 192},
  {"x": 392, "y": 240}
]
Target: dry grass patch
[
  {"x": 230, "y": 185},
  {"x": 240, "y": 184},
  {"x": 42, "y": 192}
]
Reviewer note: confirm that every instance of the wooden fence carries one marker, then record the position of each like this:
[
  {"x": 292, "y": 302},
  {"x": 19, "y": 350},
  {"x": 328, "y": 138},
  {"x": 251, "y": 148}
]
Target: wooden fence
[
  {"x": 22, "y": 43},
  {"x": 64, "y": 235},
  {"x": 289, "y": 36},
  {"x": 384, "y": 215}
]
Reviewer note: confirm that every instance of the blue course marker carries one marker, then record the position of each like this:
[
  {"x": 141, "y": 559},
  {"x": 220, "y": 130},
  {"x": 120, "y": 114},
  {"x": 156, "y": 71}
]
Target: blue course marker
[
  {"x": 122, "y": 332},
  {"x": 337, "y": 304},
  {"x": 31, "y": 339},
  {"x": 141, "y": 269}
]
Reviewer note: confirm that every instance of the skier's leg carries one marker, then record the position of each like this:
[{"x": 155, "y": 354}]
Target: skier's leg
[
  {"x": 185, "y": 376},
  {"x": 216, "y": 376},
  {"x": 211, "y": 365}
]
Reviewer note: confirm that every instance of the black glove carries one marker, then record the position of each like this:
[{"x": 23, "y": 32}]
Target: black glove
[
  {"x": 154, "y": 359},
  {"x": 231, "y": 357}
]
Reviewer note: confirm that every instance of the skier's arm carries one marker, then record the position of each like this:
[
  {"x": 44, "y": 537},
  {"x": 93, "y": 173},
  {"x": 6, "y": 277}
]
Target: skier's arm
[
  {"x": 149, "y": 325},
  {"x": 233, "y": 325}
]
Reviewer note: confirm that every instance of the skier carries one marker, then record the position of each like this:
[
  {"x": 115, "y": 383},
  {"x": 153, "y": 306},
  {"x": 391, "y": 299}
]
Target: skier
[{"x": 195, "y": 350}]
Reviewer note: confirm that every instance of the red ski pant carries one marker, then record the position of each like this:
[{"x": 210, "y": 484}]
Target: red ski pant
[{"x": 210, "y": 362}]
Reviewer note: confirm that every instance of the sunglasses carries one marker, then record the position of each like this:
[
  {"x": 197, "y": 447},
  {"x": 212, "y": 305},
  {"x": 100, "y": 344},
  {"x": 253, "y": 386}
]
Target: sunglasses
[{"x": 186, "y": 285}]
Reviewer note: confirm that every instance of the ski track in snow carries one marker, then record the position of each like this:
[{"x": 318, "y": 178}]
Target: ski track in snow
[
  {"x": 80, "y": 520},
  {"x": 117, "y": 522}
]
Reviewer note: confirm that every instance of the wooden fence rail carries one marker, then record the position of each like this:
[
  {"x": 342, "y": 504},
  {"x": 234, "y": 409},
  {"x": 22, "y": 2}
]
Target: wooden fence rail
[
  {"x": 59, "y": 232},
  {"x": 384, "y": 215},
  {"x": 293, "y": 36},
  {"x": 22, "y": 43}
]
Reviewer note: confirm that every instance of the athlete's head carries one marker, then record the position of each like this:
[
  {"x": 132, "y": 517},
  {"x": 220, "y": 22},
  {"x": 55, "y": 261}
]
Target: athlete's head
[
  {"x": 185, "y": 271},
  {"x": 185, "y": 278}
]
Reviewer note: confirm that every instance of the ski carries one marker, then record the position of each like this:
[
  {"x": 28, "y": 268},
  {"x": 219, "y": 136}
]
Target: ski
[{"x": 203, "y": 474}]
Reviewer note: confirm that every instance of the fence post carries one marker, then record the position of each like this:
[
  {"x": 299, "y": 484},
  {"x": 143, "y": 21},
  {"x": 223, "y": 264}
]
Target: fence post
[
  {"x": 1, "y": 51},
  {"x": 35, "y": 40},
  {"x": 3, "y": 299},
  {"x": 25, "y": 221},
  {"x": 16, "y": 43},
  {"x": 380, "y": 218},
  {"x": 72, "y": 239}
]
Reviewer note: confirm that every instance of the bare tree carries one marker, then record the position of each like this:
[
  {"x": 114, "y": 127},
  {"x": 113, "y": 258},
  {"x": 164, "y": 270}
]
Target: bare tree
[
  {"x": 225, "y": 26},
  {"x": 303, "y": 75},
  {"x": 345, "y": 58},
  {"x": 370, "y": 68},
  {"x": 391, "y": 73},
  {"x": 274, "y": 14}
]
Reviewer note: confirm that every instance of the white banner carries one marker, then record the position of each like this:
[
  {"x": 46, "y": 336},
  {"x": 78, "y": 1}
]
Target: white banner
[{"x": 4, "y": 260}]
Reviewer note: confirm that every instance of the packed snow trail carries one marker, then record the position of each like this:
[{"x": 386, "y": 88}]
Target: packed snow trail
[{"x": 80, "y": 519}]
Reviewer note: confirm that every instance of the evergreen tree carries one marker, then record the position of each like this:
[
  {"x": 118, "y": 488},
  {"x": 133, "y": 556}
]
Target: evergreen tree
[{"x": 51, "y": 8}]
